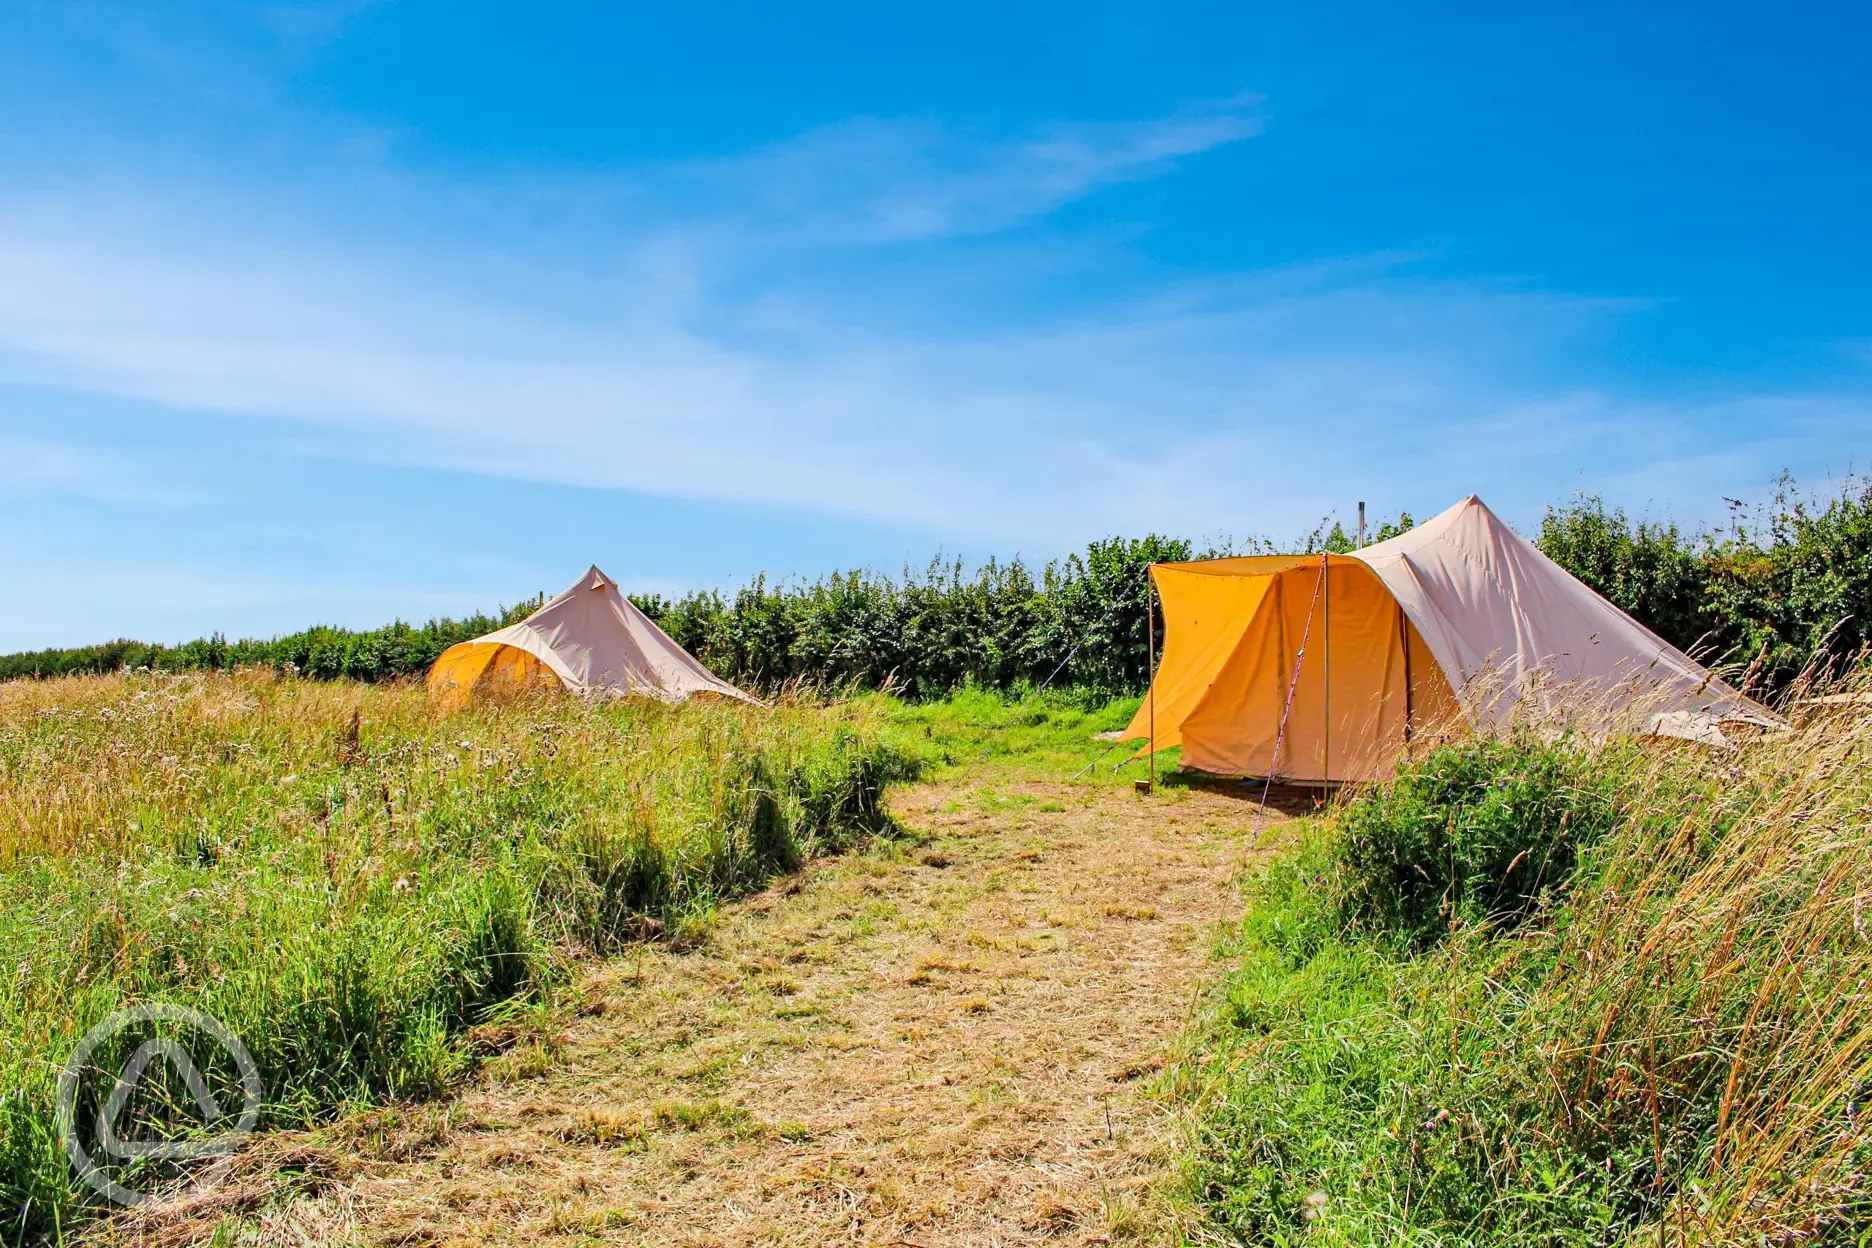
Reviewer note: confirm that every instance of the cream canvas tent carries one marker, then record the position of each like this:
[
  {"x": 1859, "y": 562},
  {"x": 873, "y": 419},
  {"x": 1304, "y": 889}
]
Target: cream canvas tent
[
  {"x": 591, "y": 639},
  {"x": 1460, "y": 620}
]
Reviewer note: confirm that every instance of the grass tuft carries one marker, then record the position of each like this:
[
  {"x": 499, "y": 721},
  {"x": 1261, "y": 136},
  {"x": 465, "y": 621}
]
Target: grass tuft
[{"x": 1556, "y": 993}]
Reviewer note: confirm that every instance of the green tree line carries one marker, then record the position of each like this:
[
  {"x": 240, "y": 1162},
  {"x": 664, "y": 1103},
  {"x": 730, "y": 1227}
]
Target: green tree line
[
  {"x": 1785, "y": 589},
  {"x": 1780, "y": 590}
]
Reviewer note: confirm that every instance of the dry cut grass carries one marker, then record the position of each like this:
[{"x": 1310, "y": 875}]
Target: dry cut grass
[{"x": 949, "y": 1039}]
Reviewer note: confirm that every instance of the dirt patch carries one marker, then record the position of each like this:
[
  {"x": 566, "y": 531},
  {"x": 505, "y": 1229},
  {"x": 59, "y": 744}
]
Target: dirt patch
[{"x": 946, "y": 1040}]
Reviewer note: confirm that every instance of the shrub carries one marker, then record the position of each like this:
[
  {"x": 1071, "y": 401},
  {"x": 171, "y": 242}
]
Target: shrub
[
  {"x": 1672, "y": 1052},
  {"x": 1479, "y": 832},
  {"x": 1652, "y": 572},
  {"x": 1787, "y": 592},
  {"x": 1794, "y": 589},
  {"x": 923, "y": 634}
]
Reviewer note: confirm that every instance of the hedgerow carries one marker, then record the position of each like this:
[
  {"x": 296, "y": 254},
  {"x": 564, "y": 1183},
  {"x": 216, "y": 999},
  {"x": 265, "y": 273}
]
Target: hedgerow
[{"x": 1780, "y": 592}]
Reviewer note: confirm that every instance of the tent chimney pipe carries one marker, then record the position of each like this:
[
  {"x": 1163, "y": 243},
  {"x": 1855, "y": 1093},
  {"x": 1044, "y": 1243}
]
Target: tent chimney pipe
[{"x": 1361, "y": 522}]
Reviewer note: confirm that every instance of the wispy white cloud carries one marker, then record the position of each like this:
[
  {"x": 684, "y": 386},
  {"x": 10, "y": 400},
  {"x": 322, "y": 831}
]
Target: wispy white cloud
[
  {"x": 868, "y": 181},
  {"x": 641, "y": 349}
]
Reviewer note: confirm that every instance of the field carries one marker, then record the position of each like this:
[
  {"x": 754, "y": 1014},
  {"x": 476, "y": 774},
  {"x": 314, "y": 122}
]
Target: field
[
  {"x": 350, "y": 883},
  {"x": 922, "y": 973},
  {"x": 951, "y": 1036}
]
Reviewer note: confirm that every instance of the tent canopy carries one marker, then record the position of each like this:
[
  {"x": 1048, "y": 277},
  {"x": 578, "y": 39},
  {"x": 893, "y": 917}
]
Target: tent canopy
[
  {"x": 1459, "y": 620},
  {"x": 592, "y": 639}
]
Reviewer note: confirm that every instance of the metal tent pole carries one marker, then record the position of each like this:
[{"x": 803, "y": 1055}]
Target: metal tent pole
[
  {"x": 1326, "y": 632},
  {"x": 1150, "y": 632}
]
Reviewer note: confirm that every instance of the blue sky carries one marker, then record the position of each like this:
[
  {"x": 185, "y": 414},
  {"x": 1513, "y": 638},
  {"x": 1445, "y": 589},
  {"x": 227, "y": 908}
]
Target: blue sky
[{"x": 343, "y": 311}]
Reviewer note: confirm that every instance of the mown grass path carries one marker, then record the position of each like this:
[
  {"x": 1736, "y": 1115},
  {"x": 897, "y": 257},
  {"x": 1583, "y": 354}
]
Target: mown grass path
[{"x": 948, "y": 1039}]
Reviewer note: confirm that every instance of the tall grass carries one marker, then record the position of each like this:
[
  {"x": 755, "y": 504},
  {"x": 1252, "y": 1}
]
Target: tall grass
[
  {"x": 1663, "y": 1036},
  {"x": 349, "y": 882}
]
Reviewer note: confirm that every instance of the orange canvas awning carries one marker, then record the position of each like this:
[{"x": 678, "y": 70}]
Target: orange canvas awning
[
  {"x": 472, "y": 669},
  {"x": 1239, "y": 633}
]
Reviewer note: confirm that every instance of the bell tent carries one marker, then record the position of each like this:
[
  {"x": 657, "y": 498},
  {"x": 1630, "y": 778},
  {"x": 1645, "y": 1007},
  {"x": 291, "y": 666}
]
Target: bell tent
[
  {"x": 1458, "y": 621},
  {"x": 590, "y": 639}
]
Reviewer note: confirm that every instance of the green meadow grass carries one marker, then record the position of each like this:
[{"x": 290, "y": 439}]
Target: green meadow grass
[
  {"x": 351, "y": 883},
  {"x": 1050, "y": 735},
  {"x": 1554, "y": 993}
]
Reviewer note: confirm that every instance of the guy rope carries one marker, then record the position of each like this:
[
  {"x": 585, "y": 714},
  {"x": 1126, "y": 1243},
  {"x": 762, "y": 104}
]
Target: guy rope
[{"x": 1280, "y": 733}]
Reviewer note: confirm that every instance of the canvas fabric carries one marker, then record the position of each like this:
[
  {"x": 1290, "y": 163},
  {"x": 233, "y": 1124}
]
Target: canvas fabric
[
  {"x": 481, "y": 669},
  {"x": 595, "y": 640},
  {"x": 1509, "y": 625},
  {"x": 1239, "y": 633},
  {"x": 1458, "y": 622}
]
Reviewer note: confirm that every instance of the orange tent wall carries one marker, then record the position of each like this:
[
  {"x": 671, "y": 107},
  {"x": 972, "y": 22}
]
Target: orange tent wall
[
  {"x": 1205, "y": 614},
  {"x": 1233, "y": 630},
  {"x": 475, "y": 669}
]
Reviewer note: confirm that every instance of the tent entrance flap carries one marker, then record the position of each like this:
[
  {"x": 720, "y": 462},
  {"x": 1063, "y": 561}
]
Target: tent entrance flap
[
  {"x": 478, "y": 669},
  {"x": 1204, "y": 618},
  {"x": 1358, "y": 682}
]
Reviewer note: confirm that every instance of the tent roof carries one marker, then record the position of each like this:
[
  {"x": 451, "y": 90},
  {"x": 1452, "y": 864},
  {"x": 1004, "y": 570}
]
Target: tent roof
[
  {"x": 1487, "y": 601},
  {"x": 597, "y": 641}
]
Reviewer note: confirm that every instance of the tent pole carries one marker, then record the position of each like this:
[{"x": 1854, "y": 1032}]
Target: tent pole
[
  {"x": 1326, "y": 633},
  {"x": 1150, "y": 632},
  {"x": 1403, "y": 632},
  {"x": 1293, "y": 684}
]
